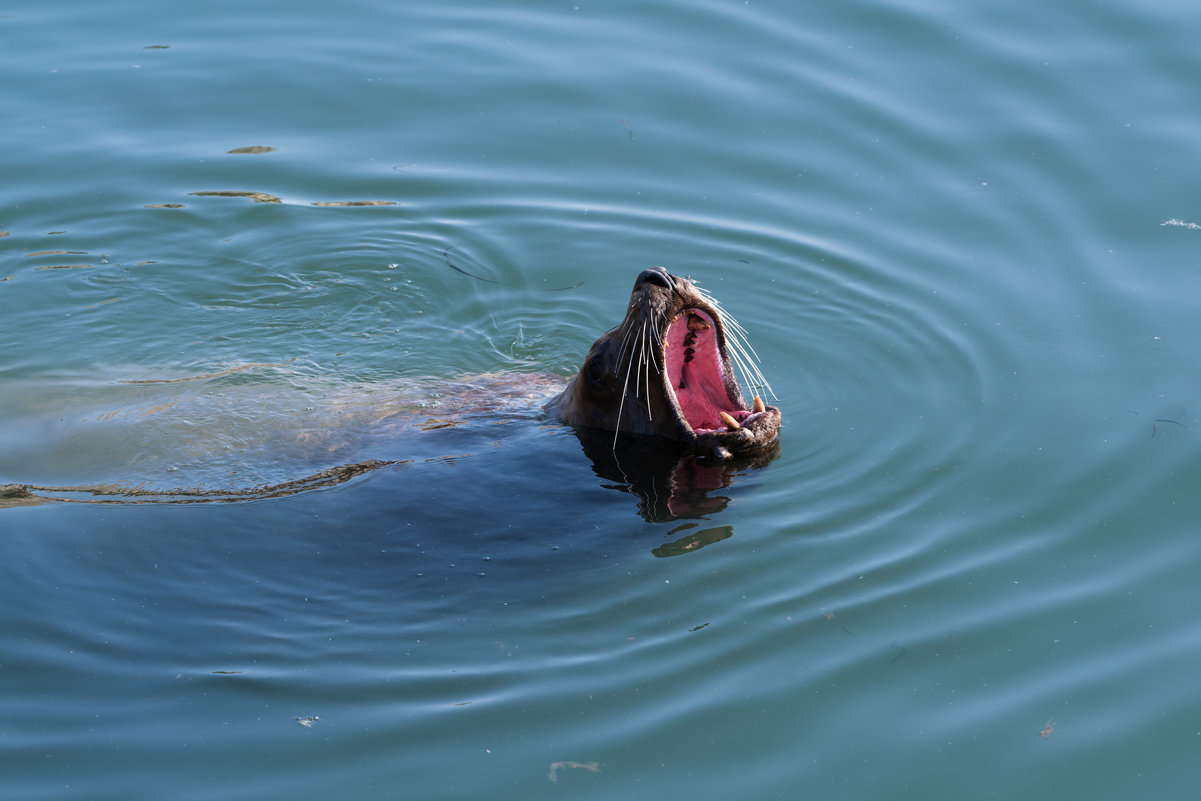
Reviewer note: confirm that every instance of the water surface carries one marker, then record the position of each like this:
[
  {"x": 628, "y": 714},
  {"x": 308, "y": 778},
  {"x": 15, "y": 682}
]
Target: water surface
[{"x": 244, "y": 243}]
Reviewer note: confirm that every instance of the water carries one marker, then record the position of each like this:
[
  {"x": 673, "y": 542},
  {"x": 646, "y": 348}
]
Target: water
[{"x": 963, "y": 240}]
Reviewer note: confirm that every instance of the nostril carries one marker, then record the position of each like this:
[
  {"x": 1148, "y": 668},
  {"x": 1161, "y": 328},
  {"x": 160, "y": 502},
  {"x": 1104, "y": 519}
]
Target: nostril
[{"x": 657, "y": 276}]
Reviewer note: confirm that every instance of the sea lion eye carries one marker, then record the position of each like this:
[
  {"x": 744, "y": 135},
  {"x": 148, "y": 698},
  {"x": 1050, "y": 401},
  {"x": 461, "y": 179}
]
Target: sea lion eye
[{"x": 595, "y": 371}]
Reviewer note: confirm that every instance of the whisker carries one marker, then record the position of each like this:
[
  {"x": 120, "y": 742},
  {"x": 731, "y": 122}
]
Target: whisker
[
  {"x": 657, "y": 328},
  {"x": 624, "y": 340},
  {"x": 750, "y": 373},
  {"x": 742, "y": 353},
  {"x": 738, "y": 342},
  {"x": 647, "y": 372},
  {"x": 750, "y": 369},
  {"x": 622, "y": 403},
  {"x": 733, "y": 324},
  {"x": 641, "y": 361}
]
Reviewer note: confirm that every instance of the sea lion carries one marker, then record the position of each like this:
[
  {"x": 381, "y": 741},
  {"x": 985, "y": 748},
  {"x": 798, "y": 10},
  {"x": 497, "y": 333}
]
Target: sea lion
[
  {"x": 666, "y": 371},
  {"x": 665, "y": 376}
]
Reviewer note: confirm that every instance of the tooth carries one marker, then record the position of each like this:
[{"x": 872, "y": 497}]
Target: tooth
[
  {"x": 730, "y": 422},
  {"x": 758, "y": 407}
]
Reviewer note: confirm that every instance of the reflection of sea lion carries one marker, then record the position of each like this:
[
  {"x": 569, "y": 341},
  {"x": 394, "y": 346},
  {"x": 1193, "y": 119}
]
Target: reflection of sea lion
[
  {"x": 666, "y": 371},
  {"x": 669, "y": 482}
]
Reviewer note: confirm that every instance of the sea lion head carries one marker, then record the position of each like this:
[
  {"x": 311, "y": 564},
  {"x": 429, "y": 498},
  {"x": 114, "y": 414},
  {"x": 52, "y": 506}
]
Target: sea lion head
[{"x": 666, "y": 371}]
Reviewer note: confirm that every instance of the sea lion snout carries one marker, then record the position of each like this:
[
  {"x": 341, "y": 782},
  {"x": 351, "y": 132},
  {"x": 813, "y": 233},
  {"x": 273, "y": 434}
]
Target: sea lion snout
[{"x": 655, "y": 275}]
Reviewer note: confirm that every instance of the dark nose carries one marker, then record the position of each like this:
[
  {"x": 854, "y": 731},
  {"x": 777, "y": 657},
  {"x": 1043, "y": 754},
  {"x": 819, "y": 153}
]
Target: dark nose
[{"x": 655, "y": 275}]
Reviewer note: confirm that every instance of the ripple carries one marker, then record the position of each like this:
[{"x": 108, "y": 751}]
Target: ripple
[{"x": 944, "y": 229}]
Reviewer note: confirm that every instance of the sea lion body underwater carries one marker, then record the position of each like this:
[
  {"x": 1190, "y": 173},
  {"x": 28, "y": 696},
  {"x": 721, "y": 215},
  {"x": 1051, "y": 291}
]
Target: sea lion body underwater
[{"x": 666, "y": 371}]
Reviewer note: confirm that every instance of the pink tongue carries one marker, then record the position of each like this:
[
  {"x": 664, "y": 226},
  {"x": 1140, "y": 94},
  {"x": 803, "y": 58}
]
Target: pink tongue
[{"x": 700, "y": 410}]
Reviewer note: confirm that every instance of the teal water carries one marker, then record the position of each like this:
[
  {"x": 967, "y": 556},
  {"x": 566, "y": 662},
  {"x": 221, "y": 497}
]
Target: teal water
[{"x": 964, "y": 241}]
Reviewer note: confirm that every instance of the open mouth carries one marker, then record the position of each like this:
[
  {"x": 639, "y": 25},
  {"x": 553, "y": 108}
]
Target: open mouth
[{"x": 698, "y": 375}]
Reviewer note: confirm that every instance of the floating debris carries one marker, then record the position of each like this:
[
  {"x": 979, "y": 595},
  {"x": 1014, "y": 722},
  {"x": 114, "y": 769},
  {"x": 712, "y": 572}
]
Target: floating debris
[
  {"x": 27, "y": 494},
  {"x": 358, "y": 203},
  {"x": 165, "y": 206},
  {"x": 1182, "y": 224},
  {"x": 257, "y": 197},
  {"x": 203, "y": 377},
  {"x": 694, "y": 541},
  {"x": 555, "y": 767},
  {"x": 308, "y": 721},
  {"x": 253, "y": 149},
  {"x": 435, "y": 425}
]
